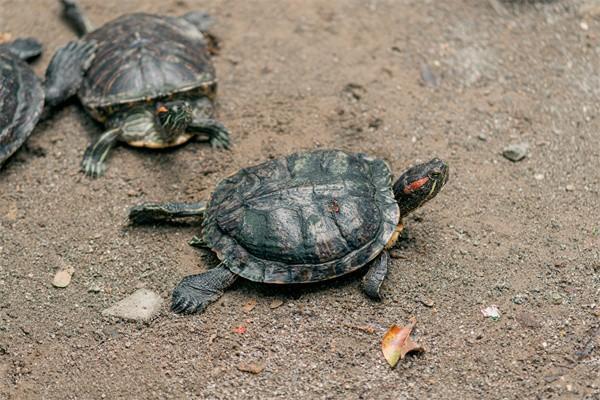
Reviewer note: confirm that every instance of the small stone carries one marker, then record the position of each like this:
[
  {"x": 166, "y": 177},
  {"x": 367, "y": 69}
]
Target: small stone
[
  {"x": 276, "y": 304},
  {"x": 570, "y": 188},
  {"x": 94, "y": 288},
  {"x": 253, "y": 368},
  {"x": 556, "y": 298},
  {"x": 142, "y": 305},
  {"x": 426, "y": 301},
  {"x": 584, "y": 25},
  {"x": 482, "y": 137},
  {"x": 519, "y": 298},
  {"x": 62, "y": 278},
  {"x": 515, "y": 152},
  {"x": 539, "y": 177}
]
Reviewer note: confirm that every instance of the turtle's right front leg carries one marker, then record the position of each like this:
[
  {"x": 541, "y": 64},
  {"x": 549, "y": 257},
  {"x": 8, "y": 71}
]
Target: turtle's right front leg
[{"x": 155, "y": 212}]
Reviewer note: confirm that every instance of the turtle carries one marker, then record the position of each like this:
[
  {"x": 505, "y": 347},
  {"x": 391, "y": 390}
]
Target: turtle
[
  {"x": 306, "y": 217},
  {"x": 21, "y": 94},
  {"x": 150, "y": 81}
]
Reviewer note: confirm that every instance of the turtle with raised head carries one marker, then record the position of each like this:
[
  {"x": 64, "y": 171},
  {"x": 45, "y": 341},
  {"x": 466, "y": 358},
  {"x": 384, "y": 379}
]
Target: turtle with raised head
[
  {"x": 150, "y": 81},
  {"x": 22, "y": 92},
  {"x": 307, "y": 217}
]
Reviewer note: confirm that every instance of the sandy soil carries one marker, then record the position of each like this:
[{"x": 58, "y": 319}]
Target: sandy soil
[{"x": 346, "y": 74}]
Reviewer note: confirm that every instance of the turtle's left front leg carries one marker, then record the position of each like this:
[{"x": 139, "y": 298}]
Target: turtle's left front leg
[
  {"x": 204, "y": 125},
  {"x": 374, "y": 278}
]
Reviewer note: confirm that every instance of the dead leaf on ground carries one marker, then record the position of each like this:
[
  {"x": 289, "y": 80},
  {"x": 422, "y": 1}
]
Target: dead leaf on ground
[
  {"x": 249, "y": 306},
  {"x": 275, "y": 304},
  {"x": 62, "y": 278},
  {"x": 253, "y": 368},
  {"x": 397, "y": 343}
]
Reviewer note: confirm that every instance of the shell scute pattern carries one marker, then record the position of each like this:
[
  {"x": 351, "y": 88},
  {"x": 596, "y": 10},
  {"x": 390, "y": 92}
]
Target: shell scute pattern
[
  {"x": 141, "y": 57},
  {"x": 304, "y": 218},
  {"x": 21, "y": 103}
]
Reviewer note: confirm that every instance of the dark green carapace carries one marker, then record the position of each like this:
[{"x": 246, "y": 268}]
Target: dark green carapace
[{"x": 306, "y": 217}]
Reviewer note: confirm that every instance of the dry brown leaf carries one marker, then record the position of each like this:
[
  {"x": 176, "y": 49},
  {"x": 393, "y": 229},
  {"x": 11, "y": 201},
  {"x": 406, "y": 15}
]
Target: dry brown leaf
[
  {"x": 253, "y": 368},
  {"x": 275, "y": 304},
  {"x": 249, "y": 306},
  {"x": 397, "y": 343},
  {"x": 62, "y": 278}
]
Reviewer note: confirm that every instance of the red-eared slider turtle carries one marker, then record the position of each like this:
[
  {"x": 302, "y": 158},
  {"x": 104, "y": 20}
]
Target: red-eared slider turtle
[
  {"x": 21, "y": 94},
  {"x": 303, "y": 218},
  {"x": 151, "y": 82}
]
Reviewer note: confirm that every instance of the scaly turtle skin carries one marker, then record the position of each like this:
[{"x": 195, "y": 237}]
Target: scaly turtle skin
[
  {"x": 149, "y": 79},
  {"x": 21, "y": 94},
  {"x": 306, "y": 217}
]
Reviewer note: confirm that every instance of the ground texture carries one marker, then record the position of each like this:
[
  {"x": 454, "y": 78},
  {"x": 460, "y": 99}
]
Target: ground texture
[{"x": 404, "y": 80}]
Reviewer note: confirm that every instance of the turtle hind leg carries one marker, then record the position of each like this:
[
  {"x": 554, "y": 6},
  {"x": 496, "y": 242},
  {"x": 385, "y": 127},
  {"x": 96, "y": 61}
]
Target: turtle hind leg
[
  {"x": 66, "y": 69},
  {"x": 374, "y": 278},
  {"x": 156, "y": 212},
  {"x": 25, "y": 48},
  {"x": 93, "y": 163},
  {"x": 195, "y": 292},
  {"x": 73, "y": 13}
]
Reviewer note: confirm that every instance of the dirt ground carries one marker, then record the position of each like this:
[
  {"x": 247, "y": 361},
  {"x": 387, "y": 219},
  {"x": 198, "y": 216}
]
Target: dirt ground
[{"x": 404, "y": 80}]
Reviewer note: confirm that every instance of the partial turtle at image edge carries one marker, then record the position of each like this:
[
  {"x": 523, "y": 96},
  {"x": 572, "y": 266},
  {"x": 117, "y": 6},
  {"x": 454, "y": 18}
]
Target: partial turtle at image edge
[{"x": 21, "y": 94}]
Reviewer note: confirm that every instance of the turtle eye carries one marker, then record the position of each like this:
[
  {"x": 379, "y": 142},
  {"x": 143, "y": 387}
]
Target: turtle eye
[{"x": 436, "y": 173}]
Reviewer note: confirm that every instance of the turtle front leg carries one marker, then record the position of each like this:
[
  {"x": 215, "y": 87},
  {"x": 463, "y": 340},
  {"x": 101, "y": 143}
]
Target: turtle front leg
[
  {"x": 66, "y": 69},
  {"x": 93, "y": 163},
  {"x": 372, "y": 281},
  {"x": 154, "y": 212},
  {"x": 195, "y": 292},
  {"x": 204, "y": 125},
  {"x": 25, "y": 49}
]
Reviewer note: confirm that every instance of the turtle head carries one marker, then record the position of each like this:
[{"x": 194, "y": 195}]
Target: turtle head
[
  {"x": 420, "y": 184},
  {"x": 174, "y": 117}
]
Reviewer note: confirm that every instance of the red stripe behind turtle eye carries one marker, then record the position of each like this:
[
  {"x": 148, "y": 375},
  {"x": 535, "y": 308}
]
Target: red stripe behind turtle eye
[{"x": 416, "y": 185}]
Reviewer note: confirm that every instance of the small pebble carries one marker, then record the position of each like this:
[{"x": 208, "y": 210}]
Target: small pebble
[
  {"x": 482, "y": 137},
  {"x": 142, "y": 305},
  {"x": 519, "y": 298},
  {"x": 570, "y": 188},
  {"x": 539, "y": 177},
  {"x": 62, "y": 279},
  {"x": 584, "y": 25},
  {"x": 515, "y": 152}
]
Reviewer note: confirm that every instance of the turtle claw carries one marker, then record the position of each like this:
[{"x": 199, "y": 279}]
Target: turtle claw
[
  {"x": 190, "y": 298},
  {"x": 92, "y": 168},
  {"x": 220, "y": 139},
  {"x": 195, "y": 292}
]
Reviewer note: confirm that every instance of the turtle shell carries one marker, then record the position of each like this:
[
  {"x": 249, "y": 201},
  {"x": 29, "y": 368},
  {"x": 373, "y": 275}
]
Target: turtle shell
[
  {"x": 306, "y": 217},
  {"x": 21, "y": 103},
  {"x": 141, "y": 57}
]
